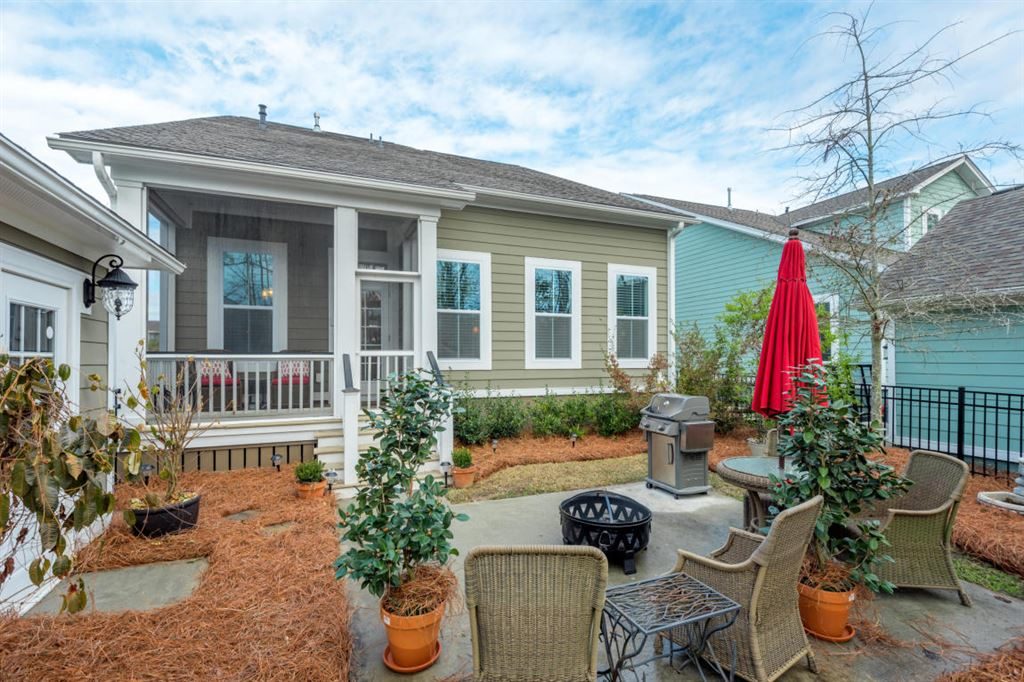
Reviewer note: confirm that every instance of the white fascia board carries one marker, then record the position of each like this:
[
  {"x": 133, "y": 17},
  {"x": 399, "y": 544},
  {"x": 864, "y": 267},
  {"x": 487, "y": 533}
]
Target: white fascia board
[
  {"x": 78, "y": 149},
  {"x": 488, "y": 197},
  {"x": 693, "y": 218},
  {"x": 59, "y": 191},
  {"x": 962, "y": 166}
]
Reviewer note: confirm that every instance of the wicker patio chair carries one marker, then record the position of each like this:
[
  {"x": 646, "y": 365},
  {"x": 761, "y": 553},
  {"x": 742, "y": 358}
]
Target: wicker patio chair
[
  {"x": 535, "y": 611},
  {"x": 761, "y": 574},
  {"x": 919, "y": 524}
]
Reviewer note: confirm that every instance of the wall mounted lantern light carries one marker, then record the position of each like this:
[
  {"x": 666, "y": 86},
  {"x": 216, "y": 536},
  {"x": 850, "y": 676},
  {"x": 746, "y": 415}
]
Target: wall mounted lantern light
[{"x": 118, "y": 288}]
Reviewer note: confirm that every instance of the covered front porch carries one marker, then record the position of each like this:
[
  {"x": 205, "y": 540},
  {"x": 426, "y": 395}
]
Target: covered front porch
[{"x": 274, "y": 295}]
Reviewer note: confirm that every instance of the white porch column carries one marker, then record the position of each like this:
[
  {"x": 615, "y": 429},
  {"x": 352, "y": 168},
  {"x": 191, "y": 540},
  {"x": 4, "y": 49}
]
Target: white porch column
[
  {"x": 346, "y": 331},
  {"x": 123, "y": 335},
  {"x": 427, "y": 339}
]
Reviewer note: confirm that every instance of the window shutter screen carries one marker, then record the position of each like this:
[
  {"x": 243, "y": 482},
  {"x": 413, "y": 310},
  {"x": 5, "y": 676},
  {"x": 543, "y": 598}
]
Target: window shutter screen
[
  {"x": 458, "y": 306},
  {"x": 632, "y": 316}
]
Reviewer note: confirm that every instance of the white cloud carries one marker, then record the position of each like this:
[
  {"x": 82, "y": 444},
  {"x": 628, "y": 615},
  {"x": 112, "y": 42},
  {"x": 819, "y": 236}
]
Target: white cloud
[{"x": 670, "y": 99}]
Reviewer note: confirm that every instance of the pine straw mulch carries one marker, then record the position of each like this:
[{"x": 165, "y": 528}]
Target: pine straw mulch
[
  {"x": 1005, "y": 664},
  {"x": 984, "y": 532},
  {"x": 267, "y": 607},
  {"x": 535, "y": 450}
]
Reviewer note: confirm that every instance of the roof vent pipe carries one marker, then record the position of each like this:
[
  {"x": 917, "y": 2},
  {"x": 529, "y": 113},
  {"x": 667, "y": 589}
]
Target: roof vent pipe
[
  {"x": 263, "y": 116},
  {"x": 316, "y": 121},
  {"x": 728, "y": 194}
]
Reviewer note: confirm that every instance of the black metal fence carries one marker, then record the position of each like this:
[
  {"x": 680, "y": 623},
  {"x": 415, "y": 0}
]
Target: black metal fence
[{"x": 983, "y": 428}]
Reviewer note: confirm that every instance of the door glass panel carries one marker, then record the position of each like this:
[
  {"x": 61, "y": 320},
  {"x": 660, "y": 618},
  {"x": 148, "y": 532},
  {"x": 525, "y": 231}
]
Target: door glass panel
[
  {"x": 386, "y": 310},
  {"x": 31, "y": 330}
]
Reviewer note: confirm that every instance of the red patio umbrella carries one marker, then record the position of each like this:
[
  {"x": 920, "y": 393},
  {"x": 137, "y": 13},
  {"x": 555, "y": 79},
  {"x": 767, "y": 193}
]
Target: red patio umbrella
[{"x": 790, "y": 334}]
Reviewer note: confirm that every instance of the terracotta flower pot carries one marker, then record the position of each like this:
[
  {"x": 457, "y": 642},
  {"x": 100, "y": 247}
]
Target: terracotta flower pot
[
  {"x": 309, "y": 491},
  {"x": 463, "y": 478},
  {"x": 412, "y": 640},
  {"x": 825, "y": 614}
]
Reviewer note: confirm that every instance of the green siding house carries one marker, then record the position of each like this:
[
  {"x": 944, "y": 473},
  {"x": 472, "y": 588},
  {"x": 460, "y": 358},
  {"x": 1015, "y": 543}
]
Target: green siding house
[
  {"x": 320, "y": 265},
  {"x": 729, "y": 250}
]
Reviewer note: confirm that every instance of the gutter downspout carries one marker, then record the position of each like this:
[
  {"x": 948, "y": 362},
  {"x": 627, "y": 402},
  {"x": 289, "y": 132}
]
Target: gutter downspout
[
  {"x": 671, "y": 312},
  {"x": 104, "y": 177}
]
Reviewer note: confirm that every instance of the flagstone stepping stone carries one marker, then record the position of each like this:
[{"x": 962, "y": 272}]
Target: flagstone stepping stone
[
  {"x": 138, "y": 588},
  {"x": 243, "y": 515},
  {"x": 277, "y": 528}
]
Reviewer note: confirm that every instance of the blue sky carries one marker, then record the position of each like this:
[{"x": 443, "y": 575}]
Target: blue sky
[{"x": 674, "y": 99}]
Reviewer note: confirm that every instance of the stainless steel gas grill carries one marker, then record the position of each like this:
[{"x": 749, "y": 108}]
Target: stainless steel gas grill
[{"x": 679, "y": 435}]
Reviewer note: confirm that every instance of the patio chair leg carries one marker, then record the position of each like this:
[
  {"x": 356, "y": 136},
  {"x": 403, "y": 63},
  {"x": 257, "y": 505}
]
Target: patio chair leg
[
  {"x": 812, "y": 664},
  {"x": 964, "y": 599}
]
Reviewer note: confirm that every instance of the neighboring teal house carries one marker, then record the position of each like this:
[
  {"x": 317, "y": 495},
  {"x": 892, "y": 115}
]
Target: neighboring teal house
[
  {"x": 958, "y": 300},
  {"x": 733, "y": 250}
]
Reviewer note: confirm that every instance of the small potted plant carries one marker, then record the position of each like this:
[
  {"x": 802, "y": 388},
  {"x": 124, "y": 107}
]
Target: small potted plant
[
  {"x": 830, "y": 449},
  {"x": 172, "y": 418},
  {"x": 766, "y": 443},
  {"x": 463, "y": 469},
  {"x": 398, "y": 530},
  {"x": 310, "y": 479}
]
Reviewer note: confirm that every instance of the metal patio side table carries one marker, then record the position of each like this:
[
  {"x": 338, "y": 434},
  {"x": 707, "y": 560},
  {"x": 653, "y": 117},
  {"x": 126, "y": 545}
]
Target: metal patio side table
[{"x": 634, "y": 612}]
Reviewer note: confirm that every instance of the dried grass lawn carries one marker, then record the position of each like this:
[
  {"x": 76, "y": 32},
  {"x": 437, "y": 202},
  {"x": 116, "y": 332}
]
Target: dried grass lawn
[{"x": 267, "y": 607}]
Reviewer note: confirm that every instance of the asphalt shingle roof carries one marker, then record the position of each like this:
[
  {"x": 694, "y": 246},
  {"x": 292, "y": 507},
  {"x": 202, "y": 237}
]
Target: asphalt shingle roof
[
  {"x": 978, "y": 247},
  {"x": 762, "y": 221},
  {"x": 858, "y": 197},
  {"x": 241, "y": 138}
]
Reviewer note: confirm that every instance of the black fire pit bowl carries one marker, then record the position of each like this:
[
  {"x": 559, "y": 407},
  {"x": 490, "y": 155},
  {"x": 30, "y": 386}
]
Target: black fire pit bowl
[{"x": 617, "y": 525}]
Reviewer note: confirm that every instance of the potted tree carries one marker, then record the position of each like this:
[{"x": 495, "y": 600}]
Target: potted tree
[
  {"x": 463, "y": 471},
  {"x": 310, "y": 479},
  {"x": 173, "y": 418},
  {"x": 397, "y": 530},
  {"x": 55, "y": 468},
  {"x": 830, "y": 449}
]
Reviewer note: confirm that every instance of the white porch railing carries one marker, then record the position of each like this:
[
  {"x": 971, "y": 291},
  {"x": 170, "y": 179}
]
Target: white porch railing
[
  {"x": 228, "y": 386},
  {"x": 375, "y": 369}
]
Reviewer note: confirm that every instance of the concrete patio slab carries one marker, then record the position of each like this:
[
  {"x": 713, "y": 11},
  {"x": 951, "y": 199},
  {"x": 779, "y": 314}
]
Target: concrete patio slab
[
  {"x": 700, "y": 524},
  {"x": 138, "y": 588}
]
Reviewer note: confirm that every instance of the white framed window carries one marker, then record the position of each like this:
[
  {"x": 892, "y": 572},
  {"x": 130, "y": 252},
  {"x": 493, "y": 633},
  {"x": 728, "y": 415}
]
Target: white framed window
[
  {"x": 827, "y": 306},
  {"x": 632, "y": 314},
  {"x": 246, "y": 295},
  {"x": 553, "y": 313},
  {"x": 464, "y": 309}
]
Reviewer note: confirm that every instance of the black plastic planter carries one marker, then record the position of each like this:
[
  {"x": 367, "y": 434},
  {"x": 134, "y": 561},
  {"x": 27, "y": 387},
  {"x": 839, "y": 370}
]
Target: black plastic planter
[{"x": 154, "y": 522}]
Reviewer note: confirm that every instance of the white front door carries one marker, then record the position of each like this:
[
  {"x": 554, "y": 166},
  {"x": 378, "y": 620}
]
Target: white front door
[{"x": 35, "y": 319}]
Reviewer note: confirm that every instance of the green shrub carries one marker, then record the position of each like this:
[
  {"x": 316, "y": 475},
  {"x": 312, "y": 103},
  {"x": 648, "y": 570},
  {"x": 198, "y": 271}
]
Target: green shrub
[
  {"x": 462, "y": 458},
  {"x": 577, "y": 414},
  {"x": 469, "y": 420},
  {"x": 614, "y": 413},
  {"x": 504, "y": 417},
  {"x": 309, "y": 472},
  {"x": 546, "y": 416}
]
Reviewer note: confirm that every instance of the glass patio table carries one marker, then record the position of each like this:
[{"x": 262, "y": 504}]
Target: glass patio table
[{"x": 752, "y": 474}]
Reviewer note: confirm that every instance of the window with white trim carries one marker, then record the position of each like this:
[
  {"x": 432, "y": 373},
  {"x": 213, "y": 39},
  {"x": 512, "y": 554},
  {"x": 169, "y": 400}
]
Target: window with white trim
[
  {"x": 826, "y": 306},
  {"x": 632, "y": 314},
  {"x": 247, "y": 295},
  {"x": 463, "y": 309},
  {"x": 931, "y": 220},
  {"x": 553, "y": 315}
]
